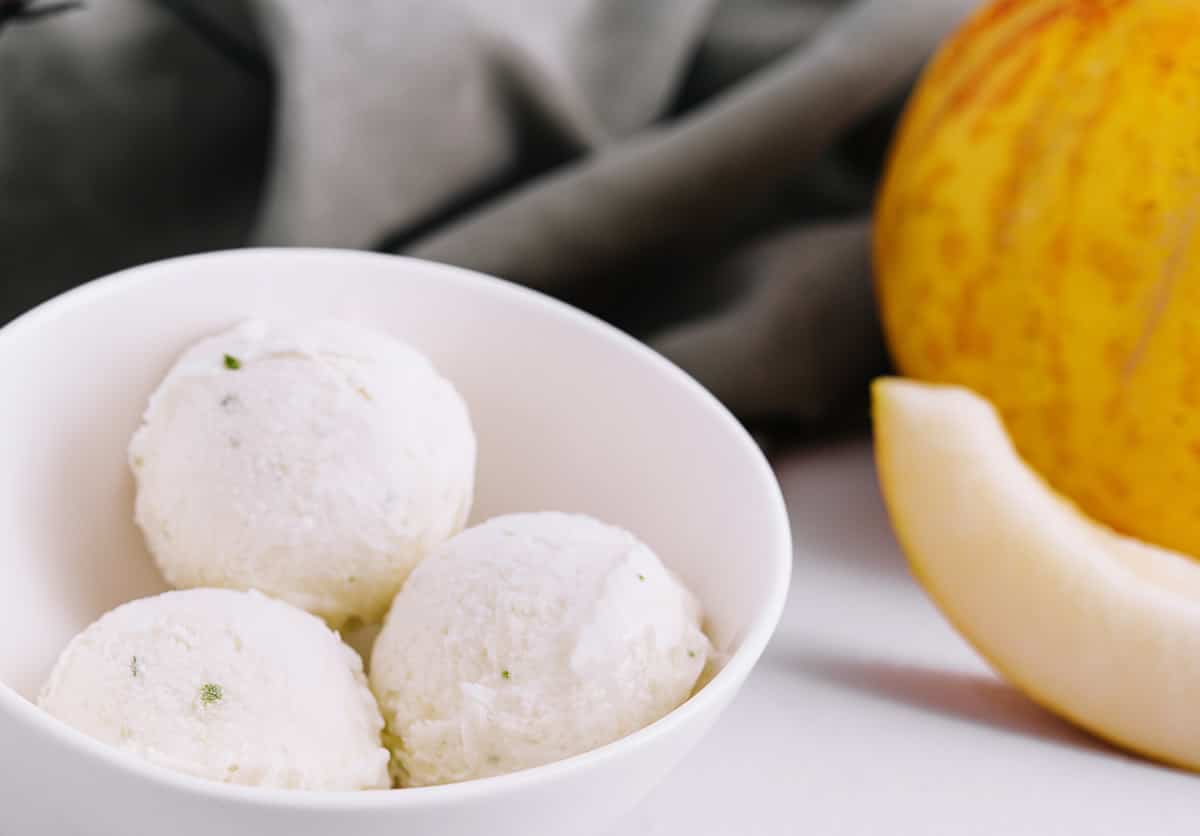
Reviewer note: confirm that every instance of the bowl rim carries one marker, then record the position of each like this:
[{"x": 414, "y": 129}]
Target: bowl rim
[{"x": 722, "y": 687}]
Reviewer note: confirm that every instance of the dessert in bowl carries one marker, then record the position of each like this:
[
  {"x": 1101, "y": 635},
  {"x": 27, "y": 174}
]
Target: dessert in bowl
[{"x": 569, "y": 415}]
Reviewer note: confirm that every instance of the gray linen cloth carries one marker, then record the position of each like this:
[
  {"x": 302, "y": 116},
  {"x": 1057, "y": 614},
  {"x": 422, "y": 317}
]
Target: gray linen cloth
[{"x": 699, "y": 172}]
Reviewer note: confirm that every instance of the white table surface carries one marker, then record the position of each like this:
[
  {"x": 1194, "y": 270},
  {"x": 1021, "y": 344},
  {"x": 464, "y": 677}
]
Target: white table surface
[{"x": 869, "y": 715}]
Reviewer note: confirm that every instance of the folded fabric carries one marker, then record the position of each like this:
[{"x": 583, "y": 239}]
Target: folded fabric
[{"x": 698, "y": 172}]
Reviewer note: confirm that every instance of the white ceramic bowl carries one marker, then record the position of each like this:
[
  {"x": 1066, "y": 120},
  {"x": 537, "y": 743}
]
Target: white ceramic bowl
[{"x": 571, "y": 415}]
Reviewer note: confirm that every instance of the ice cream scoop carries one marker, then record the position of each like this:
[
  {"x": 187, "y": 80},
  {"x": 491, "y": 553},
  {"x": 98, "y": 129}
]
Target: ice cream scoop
[
  {"x": 527, "y": 639},
  {"x": 315, "y": 462},
  {"x": 225, "y": 685}
]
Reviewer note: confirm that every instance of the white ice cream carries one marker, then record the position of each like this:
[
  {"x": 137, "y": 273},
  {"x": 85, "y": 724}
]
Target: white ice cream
[
  {"x": 317, "y": 463},
  {"x": 230, "y": 686},
  {"x": 527, "y": 639}
]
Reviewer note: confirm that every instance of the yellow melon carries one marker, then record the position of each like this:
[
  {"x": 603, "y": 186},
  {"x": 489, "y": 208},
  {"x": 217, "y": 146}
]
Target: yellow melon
[{"x": 1037, "y": 240}]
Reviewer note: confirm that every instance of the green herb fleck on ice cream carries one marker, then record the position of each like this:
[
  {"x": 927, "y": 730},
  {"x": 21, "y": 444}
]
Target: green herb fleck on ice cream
[
  {"x": 210, "y": 693},
  {"x": 505, "y": 674},
  {"x": 232, "y": 362}
]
